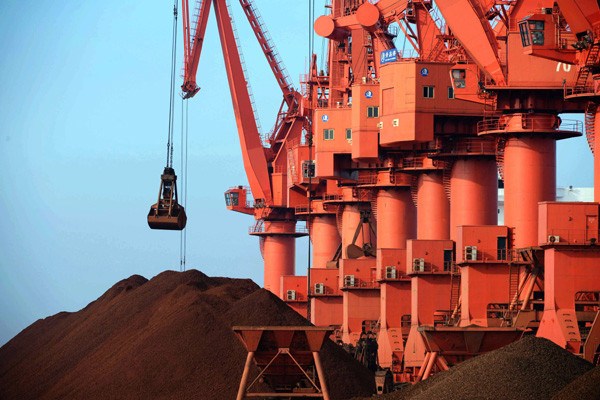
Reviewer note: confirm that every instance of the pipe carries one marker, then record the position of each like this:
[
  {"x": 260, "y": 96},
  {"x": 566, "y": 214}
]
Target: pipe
[
  {"x": 529, "y": 177},
  {"x": 473, "y": 193},
  {"x": 527, "y": 294},
  {"x": 396, "y": 218},
  {"x": 423, "y": 366},
  {"x": 430, "y": 365},
  {"x": 433, "y": 207},
  {"x": 279, "y": 252},
  {"x": 325, "y": 239},
  {"x": 351, "y": 219}
]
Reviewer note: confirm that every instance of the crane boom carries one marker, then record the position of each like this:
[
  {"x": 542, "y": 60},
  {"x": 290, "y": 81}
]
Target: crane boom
[
  {"x": 268, "y": 48},
  {"x": 255, "y": 162},
  {"x": 471, "y": 27},
  {"x": 192, "y": 45}
]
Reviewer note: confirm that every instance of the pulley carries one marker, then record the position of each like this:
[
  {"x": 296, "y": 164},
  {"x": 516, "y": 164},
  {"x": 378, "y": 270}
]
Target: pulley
[{"x": 167, "y": 213}]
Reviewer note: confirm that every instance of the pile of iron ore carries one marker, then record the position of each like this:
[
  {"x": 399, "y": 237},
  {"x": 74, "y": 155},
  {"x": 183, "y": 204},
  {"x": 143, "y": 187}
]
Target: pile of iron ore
[
  {"x": 529, "y": 369},
  {"x": 165, "y": 338}
]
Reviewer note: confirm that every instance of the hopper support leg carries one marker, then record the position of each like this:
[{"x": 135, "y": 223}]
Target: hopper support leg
[
  {"x": 244, "y": 381},
  {"x": 321, "y": 375}
]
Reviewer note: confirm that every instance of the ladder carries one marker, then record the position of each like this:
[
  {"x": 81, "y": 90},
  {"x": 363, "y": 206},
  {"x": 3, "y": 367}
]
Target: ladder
[
  {"x": 500, "y": 144},
  {"x": 454, "y": 294},
  {"x": 267, "y": 46},
  {"x": 446, "y": 175},
  {"x": 590, "y": 120},
  {"x": 584, "y": 71},
  {"x": 292, "y": 165}
]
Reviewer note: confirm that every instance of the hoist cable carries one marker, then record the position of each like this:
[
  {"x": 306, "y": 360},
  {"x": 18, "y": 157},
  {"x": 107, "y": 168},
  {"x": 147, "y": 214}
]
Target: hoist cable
[
  {"x": 184, "y": 169},
  {"x": 172, "y": 89},
  {"x": 310, "y": 167}
]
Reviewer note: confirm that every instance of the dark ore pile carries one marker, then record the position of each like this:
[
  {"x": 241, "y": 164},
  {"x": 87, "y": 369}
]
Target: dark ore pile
[
  {"x": 165, "y": 338},
  {"x": 587, "y": 387},
  {"x": 529, "y": 369}
]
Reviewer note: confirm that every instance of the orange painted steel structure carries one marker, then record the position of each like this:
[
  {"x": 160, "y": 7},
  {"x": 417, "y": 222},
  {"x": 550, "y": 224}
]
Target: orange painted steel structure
[
  {"x": 284, "y": 356},
  {"x": 435, "y": 223},
  {"x": 401, "y": 159},
  {"x": 473, "y": 193},
  {"x": 274, "y": 201}
]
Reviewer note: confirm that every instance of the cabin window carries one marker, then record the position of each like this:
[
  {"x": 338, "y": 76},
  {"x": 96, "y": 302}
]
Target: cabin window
[
  {"x": 328, "y": 134},
  {"x": 524, "y": 31},
  {"x": 450, "y": 92},
  {"x": 537, "y": 32},
  {"x": 348, "y": 134},
  {"x": 232, "y": 198}
]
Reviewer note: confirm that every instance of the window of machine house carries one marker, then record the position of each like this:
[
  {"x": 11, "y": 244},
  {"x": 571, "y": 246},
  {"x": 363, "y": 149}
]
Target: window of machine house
[
  {"x": 459, "y": 78},
  {"x": 428, "y": 92},
  {"x": 328, "y": 134},
  {"x": 373, "y": 112},
  {"x": 450, "y": 92},
  {"x": 348, "y": 134}
]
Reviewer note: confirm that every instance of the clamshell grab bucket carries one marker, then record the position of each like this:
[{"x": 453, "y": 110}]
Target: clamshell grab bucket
[{"x": 166, "y": 213}]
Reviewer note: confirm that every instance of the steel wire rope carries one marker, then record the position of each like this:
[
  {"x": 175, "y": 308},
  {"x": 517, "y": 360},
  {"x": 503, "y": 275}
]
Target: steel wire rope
[
  {"x": 184, "y": 169},
  {"x": 310, "y": 166},
  {"x": 172, "y": 89}
]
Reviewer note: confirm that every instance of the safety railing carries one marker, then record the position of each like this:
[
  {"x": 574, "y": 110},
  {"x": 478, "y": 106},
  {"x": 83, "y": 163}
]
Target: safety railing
[
  {"x": 473, "y": 145},
  {"x": 333, "y": 197},
  {"x": 359, "y": 283},
  {"x": 579, "y": 90},
  {"x": 479, "y": 254},
  {"x": 422, "y": 265},
  {"x": 412, "y": 162},
  {"x": 529, "y": 122},
  {"x": 259, "y": 227},
  {"x": 367, "y": 177}
]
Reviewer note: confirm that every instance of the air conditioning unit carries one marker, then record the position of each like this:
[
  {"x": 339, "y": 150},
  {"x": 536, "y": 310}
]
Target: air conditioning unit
[
  {"x": 418, "y": 264},
  {"x": 553, "y": 239},
  {"x": 395, "y": 122},
  {"x": 390, "y": 272},
  {"x": 380, "y": 124},
  {"x": 291, "y": 295},
  {"x": 470, "y": 253},
  {"x": 319, "y": 288},
  {"x": 349, "y": 281}
]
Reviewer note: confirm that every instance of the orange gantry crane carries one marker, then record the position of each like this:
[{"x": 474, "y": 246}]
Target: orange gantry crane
[
  {"x": 266, "y": 166},
  {"x": 444, "y": 280},
  {"x": 393, "y": 161}
]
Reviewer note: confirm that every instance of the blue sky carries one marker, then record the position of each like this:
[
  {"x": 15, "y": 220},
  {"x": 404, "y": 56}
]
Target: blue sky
[{"x": 83, "y": 124}]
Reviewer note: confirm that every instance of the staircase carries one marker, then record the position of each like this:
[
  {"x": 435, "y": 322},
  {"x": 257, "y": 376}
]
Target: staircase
[
  {"x": 500, "y": 144},
  {"x": 584, "y": 71},
  {"x": 292, "y": 166},
  {"x": 454, "y": 295},
  {"x": 590, "y": 120},
  {"x": 446, "y": 179},
  {"x": 374, "y": 208}
]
